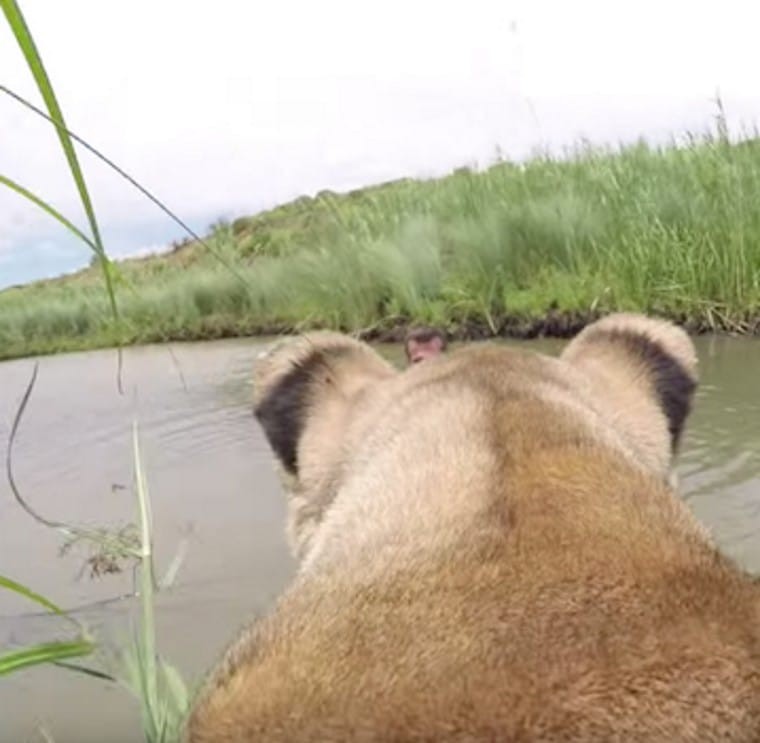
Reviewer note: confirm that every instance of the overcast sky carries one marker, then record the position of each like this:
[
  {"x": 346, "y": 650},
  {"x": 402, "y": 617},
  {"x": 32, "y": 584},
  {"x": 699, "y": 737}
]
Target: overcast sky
[{"x": 225, "y": 108}]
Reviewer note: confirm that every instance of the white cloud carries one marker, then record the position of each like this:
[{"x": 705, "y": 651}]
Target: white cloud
[{"x": 228, "y": 107}]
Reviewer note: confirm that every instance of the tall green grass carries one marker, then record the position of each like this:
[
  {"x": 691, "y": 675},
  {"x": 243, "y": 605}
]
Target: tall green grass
[
  {"x": 672, "y": 230},
  {"x": 157, "y": 685},
  {"x": 160, "y": 690},
  {"x": 28, "y": 48}
]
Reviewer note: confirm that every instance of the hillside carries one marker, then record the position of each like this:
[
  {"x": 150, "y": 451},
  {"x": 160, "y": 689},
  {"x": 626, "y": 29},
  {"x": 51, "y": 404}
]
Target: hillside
[{"x": 517, "y": 249}]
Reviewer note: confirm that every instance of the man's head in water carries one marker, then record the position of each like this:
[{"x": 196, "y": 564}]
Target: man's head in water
[{"x": 424, "y": 343}]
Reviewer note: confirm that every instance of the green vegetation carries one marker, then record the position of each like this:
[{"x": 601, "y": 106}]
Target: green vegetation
[
  {"x": 14, "y": 660},
  {"x": 516, "y": 249},
  {"x": 159, "y": 688},
  {"x": 28, "y": 48}
]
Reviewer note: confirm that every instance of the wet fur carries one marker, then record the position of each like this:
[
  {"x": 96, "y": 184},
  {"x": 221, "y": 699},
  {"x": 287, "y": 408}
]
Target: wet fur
[{"x": 489, "y": 551}]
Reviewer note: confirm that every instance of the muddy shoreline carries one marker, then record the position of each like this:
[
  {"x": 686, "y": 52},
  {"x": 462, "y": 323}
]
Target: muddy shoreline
[{"x": 555, "y": 324}]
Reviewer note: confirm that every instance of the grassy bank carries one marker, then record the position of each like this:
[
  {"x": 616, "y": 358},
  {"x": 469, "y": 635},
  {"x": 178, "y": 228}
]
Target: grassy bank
[{"x": 516, "y": 249}]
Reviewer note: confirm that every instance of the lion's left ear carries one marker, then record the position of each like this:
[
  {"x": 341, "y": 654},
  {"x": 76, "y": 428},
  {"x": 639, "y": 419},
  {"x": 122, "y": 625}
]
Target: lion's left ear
[
  {"x": 315, "y": 376},
  {"x": 306, "y": 391}
]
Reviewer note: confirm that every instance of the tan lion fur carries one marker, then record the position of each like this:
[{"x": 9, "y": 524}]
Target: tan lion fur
[{"x": 490, "y": 552}]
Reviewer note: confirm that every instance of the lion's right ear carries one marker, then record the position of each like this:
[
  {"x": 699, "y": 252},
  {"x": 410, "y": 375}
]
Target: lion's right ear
[
  {"x": 643, "y": 374},
  {"x": 311, "y": 382}
]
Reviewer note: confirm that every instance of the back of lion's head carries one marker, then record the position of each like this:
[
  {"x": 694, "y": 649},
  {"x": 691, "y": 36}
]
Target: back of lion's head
[{"x": 489, "y": 550}]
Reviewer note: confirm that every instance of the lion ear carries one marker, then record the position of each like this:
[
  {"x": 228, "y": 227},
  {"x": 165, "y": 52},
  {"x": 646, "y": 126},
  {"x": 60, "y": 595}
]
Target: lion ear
[
  {"x": 294, "y": 381},
  {"x": 282, "y": 411},
  {"x": 643, "y": 374}
]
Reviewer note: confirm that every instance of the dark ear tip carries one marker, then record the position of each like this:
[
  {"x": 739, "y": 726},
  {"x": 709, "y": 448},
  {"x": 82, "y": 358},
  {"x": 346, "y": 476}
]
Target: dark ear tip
[
  {"x": 281, "y": 357},
  {"x": 665, "y": 351},
  {"x": 675, "y": 389},
  {"x": 673, "y": 341},
  {"x": 290, "y": 376},
  {"x": 282, "y": 408}
]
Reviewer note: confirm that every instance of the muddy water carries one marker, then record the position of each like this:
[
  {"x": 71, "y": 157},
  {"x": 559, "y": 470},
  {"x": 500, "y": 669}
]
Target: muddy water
[{"x": 211, "y": 481}]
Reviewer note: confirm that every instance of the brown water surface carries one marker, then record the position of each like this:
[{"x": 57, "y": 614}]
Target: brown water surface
[{"x": 210, "y": 476}]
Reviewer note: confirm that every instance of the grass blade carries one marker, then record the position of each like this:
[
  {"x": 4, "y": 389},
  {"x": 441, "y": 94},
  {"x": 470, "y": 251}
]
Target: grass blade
[
  {"x": 94, "y": 673},
  {"x": 146, "y": 642},
  {"x": 127, "y": 177},
  {"x": 29, "y": 49},
  {"x": 171, "y": 573},
  {"x": 19, "y": 189},
  {"x": 9, "y": 459},
  {"x": 46, "y": 652},
  {"x": 28, "y": 593},
  {"x": 176, "y": 687}
]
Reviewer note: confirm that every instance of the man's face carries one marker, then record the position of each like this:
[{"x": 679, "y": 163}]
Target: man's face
[{"x": 419, "y": 350}]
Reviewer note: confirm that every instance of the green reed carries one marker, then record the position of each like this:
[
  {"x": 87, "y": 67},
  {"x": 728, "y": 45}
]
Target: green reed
[
  {"x": 158, "y": 686},
  {"x": 671, "y": 230}
]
